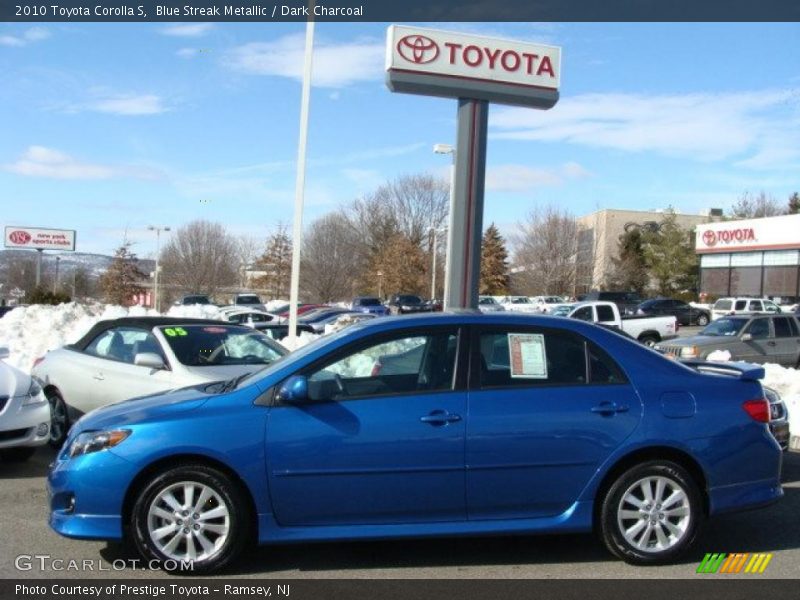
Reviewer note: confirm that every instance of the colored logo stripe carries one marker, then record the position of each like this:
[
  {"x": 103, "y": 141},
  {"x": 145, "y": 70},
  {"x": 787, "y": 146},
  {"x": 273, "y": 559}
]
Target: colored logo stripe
[{"x": 734, "y": 563}]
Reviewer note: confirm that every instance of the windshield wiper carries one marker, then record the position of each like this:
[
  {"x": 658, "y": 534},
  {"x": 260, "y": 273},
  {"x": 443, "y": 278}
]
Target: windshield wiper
[{"x": 232, "y": 383}]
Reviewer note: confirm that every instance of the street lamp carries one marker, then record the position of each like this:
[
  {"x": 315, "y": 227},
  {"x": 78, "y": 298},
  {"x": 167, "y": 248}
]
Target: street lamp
[
  {"x": 447, "y": 149},
  {"x": 434, "y": 230},
  {"x": 158, "y": 231}
]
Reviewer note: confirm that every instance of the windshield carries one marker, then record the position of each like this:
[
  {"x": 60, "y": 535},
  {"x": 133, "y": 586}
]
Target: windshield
[
  {"x": 218, "y": 345},
  {"x": 724, "y": 327},
  {"x": 368, "y": 302},
  {"x": 520, "y": 300},
  {"x": 410, "y": 300},
  {"x": 248, "y": 300}
]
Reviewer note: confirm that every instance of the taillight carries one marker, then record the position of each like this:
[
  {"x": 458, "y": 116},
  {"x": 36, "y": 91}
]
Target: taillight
[
  {"x": 376, "y": 369},
  {"x": 38, "y": 361},
  {"x": 757, "y": 409}
]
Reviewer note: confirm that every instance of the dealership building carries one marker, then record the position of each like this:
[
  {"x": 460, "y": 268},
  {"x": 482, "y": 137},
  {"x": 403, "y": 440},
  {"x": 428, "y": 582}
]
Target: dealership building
[{"x": 753, "y": 257}]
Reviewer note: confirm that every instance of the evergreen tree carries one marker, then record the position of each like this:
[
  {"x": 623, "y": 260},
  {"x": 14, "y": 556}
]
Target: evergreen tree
[
  {"x": 670, "y": 256},
  {"x": 794, "y": 204},
  {"x": 120, "y": 283},
  {"x": 276, "y": 262},
  {"x": 494, "y": 263},
  {"x": 629, "y": 270}
]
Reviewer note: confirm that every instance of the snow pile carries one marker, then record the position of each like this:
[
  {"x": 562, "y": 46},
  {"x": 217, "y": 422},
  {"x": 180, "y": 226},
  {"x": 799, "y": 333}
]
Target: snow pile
[
  {"x": 30, "y": 331},
  {"x": 719, "y": 356},
  {"x": 274, "y": 305},
  {"x": 303, "y": 339},
  {"x": 195, "y": 311}
]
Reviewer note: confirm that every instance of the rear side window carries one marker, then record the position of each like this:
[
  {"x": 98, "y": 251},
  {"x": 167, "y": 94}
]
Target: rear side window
[
  {"x": 783, "y": 327},
  {"x": 605, "y": 313},
  {"x": 123, "y": 344},
  {"x": 741, "y": 304},
  {"x": 756, "y": 305},
  {"x": 722, "y": 305},
  {"x": 602, "y": 368}
]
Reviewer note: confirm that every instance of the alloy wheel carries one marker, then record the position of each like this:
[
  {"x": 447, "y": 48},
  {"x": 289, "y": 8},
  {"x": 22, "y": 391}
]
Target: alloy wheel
[{"x": 654, "y": 514}]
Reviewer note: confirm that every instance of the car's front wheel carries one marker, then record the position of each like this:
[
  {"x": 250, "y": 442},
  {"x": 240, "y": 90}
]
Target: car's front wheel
[
  {"x": 191, "y": 515},
  {"x": 651, "y": 513},
  {"x": 702, "y": 320},
  {"x": 59, "y": 419}
]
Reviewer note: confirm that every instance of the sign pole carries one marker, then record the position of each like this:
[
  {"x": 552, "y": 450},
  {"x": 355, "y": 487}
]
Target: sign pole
[
  {"x": 465, "y": 232},
  {"x": 39, "y": 253}
]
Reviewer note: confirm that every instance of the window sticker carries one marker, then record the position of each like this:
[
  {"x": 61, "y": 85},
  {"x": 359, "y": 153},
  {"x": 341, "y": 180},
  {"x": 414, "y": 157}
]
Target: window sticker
[
  {"x": 175, "y": 331},
  {"x": 528, "y": 355}
]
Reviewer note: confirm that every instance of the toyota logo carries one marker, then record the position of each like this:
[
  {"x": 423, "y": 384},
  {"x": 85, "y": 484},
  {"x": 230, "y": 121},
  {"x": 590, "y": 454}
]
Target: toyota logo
[
  {"x": 19, "y": 237},
  {"x": 709, "y": 237},
  {"x": 418, "y": 49}
]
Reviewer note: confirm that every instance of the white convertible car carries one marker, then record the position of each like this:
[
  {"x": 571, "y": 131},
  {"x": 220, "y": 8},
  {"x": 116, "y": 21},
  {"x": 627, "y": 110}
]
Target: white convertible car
[{"x": 130, "y": 357}]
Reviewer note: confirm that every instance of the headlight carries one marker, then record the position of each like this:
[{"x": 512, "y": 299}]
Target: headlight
[
  {"x": 93, "y": 441},
  {"x": 34, "y": 395},
  {"x": 689, "y": 352}
]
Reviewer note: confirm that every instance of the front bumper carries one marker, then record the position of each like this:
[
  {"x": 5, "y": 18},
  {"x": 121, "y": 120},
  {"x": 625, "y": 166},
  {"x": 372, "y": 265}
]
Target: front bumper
[
  {"x": 87, "y": 494},
  {"x": 780, "y": 431},
  {"x": 24, "y": 425}
]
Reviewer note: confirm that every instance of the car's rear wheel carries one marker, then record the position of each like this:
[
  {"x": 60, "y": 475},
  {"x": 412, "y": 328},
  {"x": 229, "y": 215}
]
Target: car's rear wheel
[
  {"x": 191, "y": 514},
  {"x": 648, "y": 340},
  {"x": 59, "y": 419},
  {"x": 651, "y": 514},
  {"x": 17, "y": 454},
  {"x": 702, "y": 320}
]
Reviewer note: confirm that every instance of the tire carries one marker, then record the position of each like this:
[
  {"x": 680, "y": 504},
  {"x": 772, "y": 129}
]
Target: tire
[
  {"x": 702, "y": 320},
  {"x": 20, "y": 454},
  {"x": 183, "y": 523},
  {"x": 628, "y": 532},
  {"x": 59, "y": 419},
  {"x": 648, "y": 340}
]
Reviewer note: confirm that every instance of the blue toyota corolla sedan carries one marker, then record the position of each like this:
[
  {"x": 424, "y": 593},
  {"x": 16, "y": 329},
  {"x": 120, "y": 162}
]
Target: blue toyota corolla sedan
[{"x": 436, "y": 425}]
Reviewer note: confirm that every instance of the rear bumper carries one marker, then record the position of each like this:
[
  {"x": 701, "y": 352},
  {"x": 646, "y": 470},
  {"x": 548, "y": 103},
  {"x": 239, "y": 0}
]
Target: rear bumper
[{"x": 744, "y": 496}]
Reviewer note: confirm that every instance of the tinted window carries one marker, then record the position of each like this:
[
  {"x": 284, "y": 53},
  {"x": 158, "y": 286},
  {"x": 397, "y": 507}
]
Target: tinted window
[
  {"x": 398, "y": 366},
  {"x": 740, "y": 304},
  {"x": 726, "y": 326},
  {"x": 367, "y": 302},
  {"x": 215, "y": 345},
  {"x": 513, "y": 359},
  {"x": 602, "y": 367},
  {"x": 409, "y": 300},
  {"x": 756, "y": 305},
  {"x": 793, "y": 325},
  {"x": 605, "y": 313},
  {"x": 123, "y": 344},
  {"x": 248, "y": 300},
  {"x": 783, "y": 327},
  {"x": 759, "y": 329}
]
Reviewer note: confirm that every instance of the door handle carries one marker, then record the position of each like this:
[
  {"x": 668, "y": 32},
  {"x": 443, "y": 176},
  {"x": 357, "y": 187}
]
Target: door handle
[
  {"x": 609, "y": 408},
  {"x": 771, "y": 344},
  {"x": 440, "y": 417},
  {"x": 98, "y": 376}
]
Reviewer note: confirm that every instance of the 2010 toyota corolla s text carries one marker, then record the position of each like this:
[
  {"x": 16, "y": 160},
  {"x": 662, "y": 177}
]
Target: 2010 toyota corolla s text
[{"x": 454, "y": 424}]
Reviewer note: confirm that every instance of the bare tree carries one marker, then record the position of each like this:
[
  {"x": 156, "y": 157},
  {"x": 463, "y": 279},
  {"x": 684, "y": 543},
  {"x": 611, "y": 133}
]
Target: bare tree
[
  {"x": 328, "y": 259},
  {"x": 201, "y": 257},
  {"x": 247, "y": 250},
  {"x": 545, "y": 252},
  {"x": 749, "y": 206},
  {"x": 276, "y": 263}
]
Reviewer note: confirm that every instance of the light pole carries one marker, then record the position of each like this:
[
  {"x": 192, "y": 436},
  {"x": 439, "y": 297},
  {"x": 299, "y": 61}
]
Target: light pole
[
  {"x": 380, "y": 284},
  {"x": 158, "y": 231},
  {"x": 447, "y": 149},
  {"x": 55, "y": 281},
  {"x": 434, "y": 231}
]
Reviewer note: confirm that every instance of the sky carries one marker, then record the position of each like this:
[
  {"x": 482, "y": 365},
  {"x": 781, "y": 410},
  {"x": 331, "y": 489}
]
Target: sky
[{"x": 108, "y": 128}]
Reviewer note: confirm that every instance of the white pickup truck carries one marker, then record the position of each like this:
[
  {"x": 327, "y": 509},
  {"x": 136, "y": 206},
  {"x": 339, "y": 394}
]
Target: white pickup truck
[{"x": 648, "y": 330}]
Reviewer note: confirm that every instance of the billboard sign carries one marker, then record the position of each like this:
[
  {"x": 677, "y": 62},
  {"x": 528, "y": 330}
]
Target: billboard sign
[
  {"x": 33, "y": 238},
  {"x": 458, "y": 65}
]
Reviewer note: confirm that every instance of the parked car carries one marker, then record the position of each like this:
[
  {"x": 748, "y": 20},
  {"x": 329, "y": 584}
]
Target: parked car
[
  {"x": 320, "y": 323},
  {"x": 778, "y": 418},
  {"x": 402, "y": 304},
  {"x": 518, "y": 304},
  {"x": 245, "y": 316},
  {"x": 118, "y": 359},
  {"x": 278, "y": 331},
  {"x": 24, "y": 413},
  {"x": 249, "y": 300},
  {"x": 626, "y": 443},
  {"x": 546, "y": 304},
  {"x": 434, "y": 305},
  {"x": 626, "y": 301},
  {"x": 742, "y": 306},
  {"x": 685, "y": 313},
  {"x": 369, "y": 304},
  {"x": 190, "y": 299},
  {"x": 489, "y": 304},
  {"x": 302, "y": 309},
  {"x": 562, "y": 310},
  {"x": 757, "y": 338},
  {"x": 647, "y": 330}
]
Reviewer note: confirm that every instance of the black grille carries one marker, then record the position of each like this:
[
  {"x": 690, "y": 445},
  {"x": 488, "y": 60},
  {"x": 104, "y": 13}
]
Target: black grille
[
  {"x": 777, "y": 411},
  {"x": 12, "y": 434}
]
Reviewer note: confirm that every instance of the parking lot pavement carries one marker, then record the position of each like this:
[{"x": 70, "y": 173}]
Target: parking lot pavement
[{"x": 23, "y": 521}]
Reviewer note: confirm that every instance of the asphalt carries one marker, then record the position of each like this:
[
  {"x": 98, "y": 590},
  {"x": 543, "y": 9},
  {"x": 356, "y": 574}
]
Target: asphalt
[{"x": 23, "y": 523}]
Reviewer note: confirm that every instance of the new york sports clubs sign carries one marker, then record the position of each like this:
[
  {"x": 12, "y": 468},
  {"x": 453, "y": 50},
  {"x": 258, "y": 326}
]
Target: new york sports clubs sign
[
  {"x": 34, "y": 238},
  {"x": 458, "y": 65}
]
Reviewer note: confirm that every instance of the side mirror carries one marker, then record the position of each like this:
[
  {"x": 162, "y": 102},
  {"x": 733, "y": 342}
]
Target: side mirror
[
  {"x": 294, "y": 390},
  {"x": 747, "y": 337},
  {"x": 4, "y": 353},
  {"x": 149, "y": 359}
]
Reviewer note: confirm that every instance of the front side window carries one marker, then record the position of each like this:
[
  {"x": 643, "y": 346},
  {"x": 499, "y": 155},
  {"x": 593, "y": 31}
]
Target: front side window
[
  {"x": 123, "y": 344},
  {"x": 584, "y": 314},
  {"x": 759, "y": 329},
  {"x": 418, "y": 363},
  {"x": 726, "y": 326},
  {"x": 756, "y": 306}
]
